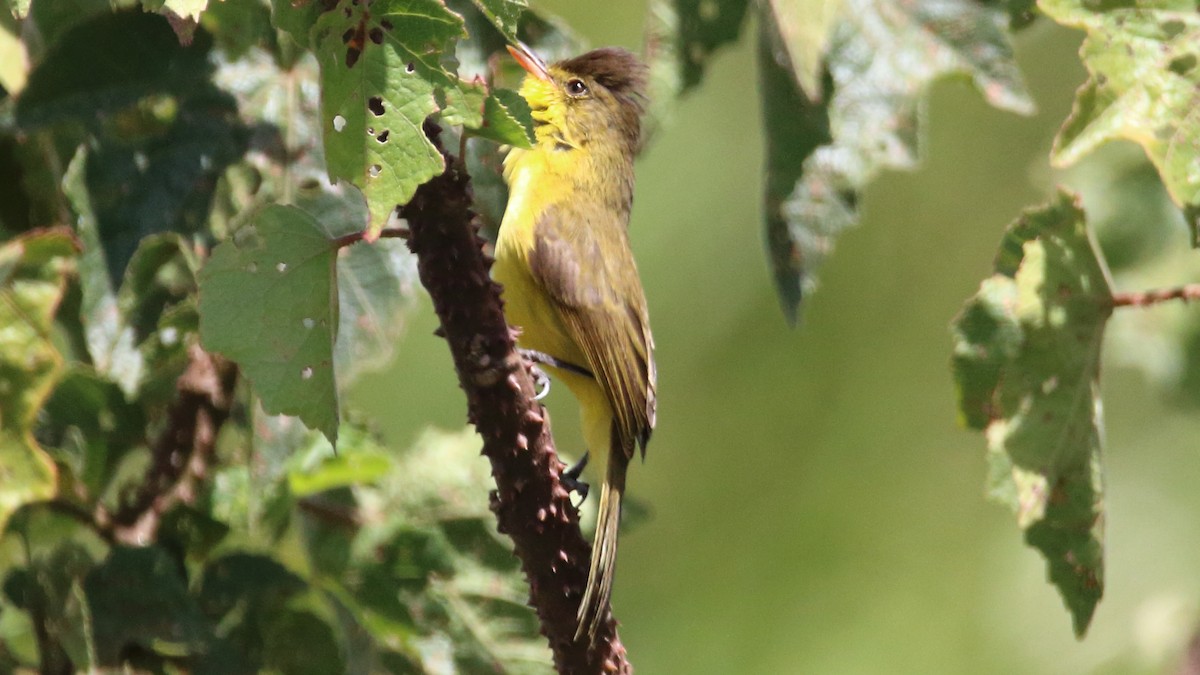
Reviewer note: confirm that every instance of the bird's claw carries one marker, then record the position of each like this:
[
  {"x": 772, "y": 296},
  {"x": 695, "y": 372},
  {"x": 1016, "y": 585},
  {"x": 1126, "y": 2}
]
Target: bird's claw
[
  {"x": 570, "y": 478},
  {"x": 541, "y": 381}
]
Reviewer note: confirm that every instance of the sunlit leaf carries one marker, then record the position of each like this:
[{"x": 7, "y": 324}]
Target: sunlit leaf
[
  {"x": 315, "y": 467},
  {"x": 804, "y": 30},
  {"x": 1144, "y": 87},
  {"x": 379, "y": 76},
  {"x": 186, "y": 9},
  {"x": 506, "y": 119},
  {"x": 14, "y": 60},
  {"x": 268, "y": 301},
  {"x": 33, "y": 271},
  {"x": 19, "y": 8},
  {"x": 881, "y": 58},
  {"x": 1027, "y": 360},
  {"x": 505, "y": 15}
]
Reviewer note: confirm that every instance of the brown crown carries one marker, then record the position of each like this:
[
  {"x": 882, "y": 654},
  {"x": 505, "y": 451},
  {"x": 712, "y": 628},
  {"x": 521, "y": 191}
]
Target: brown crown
[{"x": 616, "y": 69}]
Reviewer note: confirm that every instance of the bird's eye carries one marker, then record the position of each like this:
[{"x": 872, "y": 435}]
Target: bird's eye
[{"x": 576, "y": 87}]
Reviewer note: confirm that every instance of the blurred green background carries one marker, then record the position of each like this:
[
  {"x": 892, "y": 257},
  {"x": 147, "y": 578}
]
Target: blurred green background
[{"x": 815, "y": 506}]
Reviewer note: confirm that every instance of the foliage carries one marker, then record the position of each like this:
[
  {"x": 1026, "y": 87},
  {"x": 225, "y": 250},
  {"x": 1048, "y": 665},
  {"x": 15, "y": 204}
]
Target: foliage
[
  {"x": 1027, "y": 362},
  {"x": 192, "y": 177}
]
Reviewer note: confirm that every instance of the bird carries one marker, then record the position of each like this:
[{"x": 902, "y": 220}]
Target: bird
[{"x": 570, "y": 281}]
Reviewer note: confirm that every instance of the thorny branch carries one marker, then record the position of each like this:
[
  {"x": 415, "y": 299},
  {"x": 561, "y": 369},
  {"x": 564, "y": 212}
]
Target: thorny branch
[
  {"x": 531, "y": 504},
  {"x": 182, "y": 453}
]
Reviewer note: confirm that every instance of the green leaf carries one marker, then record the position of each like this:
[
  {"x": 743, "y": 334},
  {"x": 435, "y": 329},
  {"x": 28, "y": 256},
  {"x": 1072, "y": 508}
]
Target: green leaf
[
  {"x": 33, "y": 272},
  {"x": 506, "y": 119},
  {"x": 48, "y": 590},
  {"x": 256, "y": 584},
  {"x": 160, "y": 274},
  {"x": 359, "y": 460},
  {"x": 54, "y": 19},
  {"x": 184, "y": 9},
  {"x": 19, "y": 8},
  {"x": 881, "y": 58},
  {"x": 95, "y": 67},
  {"x": 301, "y": 643},
  {"x": 14, "y": 60},
  {"x": 138, "y": 597},
  {"x": 805, "y": 29},
  {"x": 268, "y": 301},
  {"x": 93, "y": 426},
  {"x": 505, "y": 15},
  {"x": 110, "y": 342},
  {"x": 296, "y": 19},
  {"x": 375, "y": 286},
  {"x": 1026, "y": 361},
  {"x": 681, "y": 38},
  {"x": 380, "y": 71},
  {"x": 1144, "y": 86},
  {"x": 163, "y": 133},
  {"x": 238, "y": 26}
]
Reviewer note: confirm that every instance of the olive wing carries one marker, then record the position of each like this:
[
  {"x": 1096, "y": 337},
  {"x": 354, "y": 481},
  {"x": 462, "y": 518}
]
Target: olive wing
[{"x": 598, "y": 294}]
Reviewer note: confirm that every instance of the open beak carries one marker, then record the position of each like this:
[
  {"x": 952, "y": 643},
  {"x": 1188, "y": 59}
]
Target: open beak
[{"x": 532, "y": 63}]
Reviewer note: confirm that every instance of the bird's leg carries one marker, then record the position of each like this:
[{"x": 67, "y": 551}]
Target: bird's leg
[
  {"x": 548, "y": 360},
  {"x": 570, "y": 478},
  {"x": 541, "y": 381}
]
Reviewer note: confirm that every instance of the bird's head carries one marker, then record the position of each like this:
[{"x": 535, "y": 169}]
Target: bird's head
[{"x": 595, "y": 96}]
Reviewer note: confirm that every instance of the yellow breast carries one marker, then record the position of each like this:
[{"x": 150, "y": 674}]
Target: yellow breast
[{"x": 532, "y": 189}]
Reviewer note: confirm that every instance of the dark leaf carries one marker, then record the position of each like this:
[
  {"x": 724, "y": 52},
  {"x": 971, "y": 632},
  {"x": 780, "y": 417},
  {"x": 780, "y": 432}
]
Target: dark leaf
[{"x": 137, "y": 598}]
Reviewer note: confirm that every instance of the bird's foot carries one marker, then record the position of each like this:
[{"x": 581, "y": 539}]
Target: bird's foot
[
  {"x": 541, "y": 381},
  {"x": 571, "y": 479},
  {"x": 548, "y": 360}
]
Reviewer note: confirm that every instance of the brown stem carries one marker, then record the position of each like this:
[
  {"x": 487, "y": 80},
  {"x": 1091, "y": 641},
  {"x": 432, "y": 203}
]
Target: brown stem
[
  {"x": 183, "y": 451},
  {"x": 355, "y": 237},
  {"x": 1147, "y": 298},
  {"x": 531, "y": 505}
]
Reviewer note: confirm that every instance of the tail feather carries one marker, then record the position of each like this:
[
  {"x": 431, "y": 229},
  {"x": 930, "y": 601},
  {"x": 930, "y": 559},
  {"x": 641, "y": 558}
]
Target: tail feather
[{"x": 598, "y": 592}]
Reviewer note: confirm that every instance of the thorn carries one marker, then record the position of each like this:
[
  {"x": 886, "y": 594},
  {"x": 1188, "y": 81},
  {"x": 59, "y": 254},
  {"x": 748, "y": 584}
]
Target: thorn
[
  {"x": 541, "y": 515},
  {"x": 522, "y": 441}
]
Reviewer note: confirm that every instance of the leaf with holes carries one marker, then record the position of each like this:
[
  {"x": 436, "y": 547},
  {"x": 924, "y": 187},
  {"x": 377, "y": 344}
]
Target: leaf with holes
[
  {"x": 1144, "y": 87},
  {"x": 381, "y": 76},
  {"x": 268, "y": 300},
  {"x": 376, "y": 284},
  {"x": 1027, "y": 365},
  {"x": 33, "y": 274},
  {"x": 882, "y": 56}
]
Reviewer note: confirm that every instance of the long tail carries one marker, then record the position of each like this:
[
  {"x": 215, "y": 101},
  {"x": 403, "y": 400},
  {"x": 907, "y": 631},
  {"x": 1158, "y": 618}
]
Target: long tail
[{"x": 594, "y": 606}]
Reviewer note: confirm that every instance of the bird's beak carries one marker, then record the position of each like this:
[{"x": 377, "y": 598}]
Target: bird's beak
[{"x": 532, "y": 63}]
